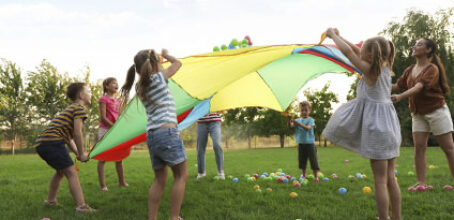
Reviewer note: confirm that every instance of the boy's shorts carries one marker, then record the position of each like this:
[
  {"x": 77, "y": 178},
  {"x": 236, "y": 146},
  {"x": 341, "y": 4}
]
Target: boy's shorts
[
  {"x": 55, "y": 154},
  {"x": 166, "y": 147},
  {"x": 438, "y": 122}
]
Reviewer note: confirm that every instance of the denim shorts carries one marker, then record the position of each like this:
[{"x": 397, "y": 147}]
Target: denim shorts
[
  {"x": 166, "y": 147},
  {"x": 55, "y": 154}
]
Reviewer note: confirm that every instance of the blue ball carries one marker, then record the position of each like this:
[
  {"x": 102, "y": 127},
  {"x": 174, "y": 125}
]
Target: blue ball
[
  {"x": 235, "y": 180},
  {"x": 301, "y": 180},
  {"x": 282, "y": 174},
  {"x": 359, "y": 175},
  {"x": 285, "y": 180},
  {"x": 342, "y": 191},
  {"x": 326, "y": 179},
  {"x": 266, "y": 174},
  {"x": 293, "y": 179}
]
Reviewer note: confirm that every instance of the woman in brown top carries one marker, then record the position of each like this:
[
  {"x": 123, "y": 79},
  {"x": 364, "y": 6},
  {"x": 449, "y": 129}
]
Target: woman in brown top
[{"x": 425, "y": 85}]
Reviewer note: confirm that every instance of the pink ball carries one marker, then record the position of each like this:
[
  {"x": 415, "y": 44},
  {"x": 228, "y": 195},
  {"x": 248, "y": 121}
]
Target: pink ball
[
  {"x": 297, "y": 184},
  {"x": 334, "y": 176},
  {"x": 280, "y": 179},
  {"x": 412, "y": 189},
  {"x": 255, "y": 175},
  {"x": 45, "y": 219},
  {"x": 448, "y": 187},
  {"x": 288, "y": 176},
  {"x": 421, "y": 188}
]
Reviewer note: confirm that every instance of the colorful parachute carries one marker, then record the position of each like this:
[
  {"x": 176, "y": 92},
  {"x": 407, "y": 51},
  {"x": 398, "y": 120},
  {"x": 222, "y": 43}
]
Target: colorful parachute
[{"x": 263, "y": 76}]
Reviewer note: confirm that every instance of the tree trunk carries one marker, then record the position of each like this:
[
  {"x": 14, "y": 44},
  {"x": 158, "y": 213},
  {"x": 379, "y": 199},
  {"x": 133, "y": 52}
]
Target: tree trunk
[
  {"x": 13, "y": 144},
  {"x": 319, "y": 141},
  {"x": 282, "y": 139},
  {"x": 324, "y": 141},
  {"x": 255, "y": 142},
  {"x": 249, "y": 144}
]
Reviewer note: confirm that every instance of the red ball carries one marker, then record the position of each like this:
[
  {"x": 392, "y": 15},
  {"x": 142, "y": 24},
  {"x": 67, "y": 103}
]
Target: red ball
[
  {"x": 288, "y": 176},
  {"x": 255, "y": 175},
  {"x": 412, "y": 189},
  {"x": 448, "y": 187}
]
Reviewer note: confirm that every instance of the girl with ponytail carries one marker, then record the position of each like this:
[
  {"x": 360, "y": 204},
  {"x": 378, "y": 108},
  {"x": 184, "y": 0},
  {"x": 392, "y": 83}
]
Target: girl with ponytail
[
  {"x": 425, "y": 85},
  {"x": 368, "y": 124},
  {"x": 163, "y": 139}
]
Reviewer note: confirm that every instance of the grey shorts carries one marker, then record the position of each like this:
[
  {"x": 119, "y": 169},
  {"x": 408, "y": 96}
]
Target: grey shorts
[{"x": 166, "y": 147}]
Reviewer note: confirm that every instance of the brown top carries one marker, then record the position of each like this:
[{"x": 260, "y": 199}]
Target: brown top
[{"x": 431, "y": 96}]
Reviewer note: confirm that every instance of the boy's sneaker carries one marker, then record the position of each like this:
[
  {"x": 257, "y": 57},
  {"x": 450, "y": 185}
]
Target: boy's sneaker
[
  {"x": 85, "y": 209},
  {"x": 200, "y": 175},
  {"x": 221, "y": 175}
]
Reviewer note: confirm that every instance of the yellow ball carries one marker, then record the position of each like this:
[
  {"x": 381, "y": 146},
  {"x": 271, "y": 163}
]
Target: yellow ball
[
  {"x": 269, "y": 189},
  {"x": 253, "y": 178},
  {"x": 295, "y": 181},
  {"x": 256, "y": 187},
  {"x": 319, "y": 174},
  {"x": 364, "y": 176},
  {"x": 293, "y": 194},
  {"x": 367, "y": 190},
  {"x": 431, "y": 167},
  {"x": 278, "y": 173}
]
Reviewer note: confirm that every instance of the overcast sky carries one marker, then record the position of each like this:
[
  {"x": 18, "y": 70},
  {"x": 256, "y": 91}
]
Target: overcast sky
[{"x": 105, "y": 35}]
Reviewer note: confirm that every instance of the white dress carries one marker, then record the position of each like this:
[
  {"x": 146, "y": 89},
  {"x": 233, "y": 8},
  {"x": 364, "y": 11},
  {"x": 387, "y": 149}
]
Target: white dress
[{"x": 368, "y": 125}]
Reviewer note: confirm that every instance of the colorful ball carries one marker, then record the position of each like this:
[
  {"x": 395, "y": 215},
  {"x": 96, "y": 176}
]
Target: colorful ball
[
  {"x": 279, "y": 170},
  {"x": 421, "y": 188},
  {"x": 305, "y": 182},
  {"x": 293, "y": 179},
  {"x": 293, "y": 194},
  {"x": 235, "y": 180},
  {"x": 285, "y": 180},
  {"x": 310, "y": 176},
  {"x": 255, "y": 175},
  {"x": 269, "y": 189},
  {"x": 342, "y": 191},
  {"x": 448, "y": 187},
  {"x": 278, "y": 173},
  {"x": 258, "y": 190},
  {"x": 320, "y": 175},
  {"x": 359, "y": 175},
  {"x": 334, "y": 176},
  {"x": 272, "y": 174},
  {"x": 216, "y": 178},
  {"x": 367, "y": 190},
  {"x": 326, "y": 179},
  {"x": 297, "y": 184},
  {"x": 230, "y": 177},
  {"x": 282, "y": 174},
  {"x": 256, "y": 187},
  {"x": 410, "y": 173}
]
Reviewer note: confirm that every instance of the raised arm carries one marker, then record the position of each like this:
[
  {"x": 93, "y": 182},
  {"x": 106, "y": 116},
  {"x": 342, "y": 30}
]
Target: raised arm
[{"x": 174, "y": 66}]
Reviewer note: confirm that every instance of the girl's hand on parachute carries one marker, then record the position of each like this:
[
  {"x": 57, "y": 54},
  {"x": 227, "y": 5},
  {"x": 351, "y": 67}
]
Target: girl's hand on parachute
[
  {"x": 164, "y": 53},
  {"x": 330, "y": 32}
]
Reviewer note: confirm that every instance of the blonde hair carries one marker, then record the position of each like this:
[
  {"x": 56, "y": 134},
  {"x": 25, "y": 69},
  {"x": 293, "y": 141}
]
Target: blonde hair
[{"x": 383, "y": 52}]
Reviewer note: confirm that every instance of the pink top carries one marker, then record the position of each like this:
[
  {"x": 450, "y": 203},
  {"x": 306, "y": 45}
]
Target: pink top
[{"x": 112, "y": 109}]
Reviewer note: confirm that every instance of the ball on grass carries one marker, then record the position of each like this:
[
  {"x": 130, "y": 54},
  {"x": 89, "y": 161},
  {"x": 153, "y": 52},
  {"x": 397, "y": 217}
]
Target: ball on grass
[
  {"x": 235, "y": 180},
  {"x": 293, "y": 194},
  {"x": 447, "y": 187},
  {"x": 367, "y": 190},
  {"x": 342, "y": 191}
]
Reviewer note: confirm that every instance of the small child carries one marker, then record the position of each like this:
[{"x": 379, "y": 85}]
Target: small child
[
  {"x": 66, "y": 128},
  {"x": 368, "y": 124},
  {"x": 163, "y": 138},
  {"x": 109, "y": 107},
  {"x": 304, "y": 136}
]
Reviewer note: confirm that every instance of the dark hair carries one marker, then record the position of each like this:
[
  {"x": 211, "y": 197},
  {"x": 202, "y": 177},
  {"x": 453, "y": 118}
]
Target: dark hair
[
  {"x": 442, "y": 79},
  {"x": 145, "y": 64},
  {"x": 73, "y": 90},
  {"x": 382, "y": 51},
  {"x": 305, "y": 103},
  {"x": 106, "y": 82}
]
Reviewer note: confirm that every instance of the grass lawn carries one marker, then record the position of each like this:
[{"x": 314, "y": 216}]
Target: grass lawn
[{"x": 24, "y": 185}]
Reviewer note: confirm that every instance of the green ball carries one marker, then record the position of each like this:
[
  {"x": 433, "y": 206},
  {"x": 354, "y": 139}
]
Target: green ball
[
  {"x": 234, "y": 42},
  {"x": 258, "y": 190},
  {"x": 305, "y": 182},
  {"x": 310, "y": 176},
  {"x": 321, "y": 176},
  {"x": 215, "y": 49},
  {"x": 230, "y": 177},
  {"x": 411, "y": 173},
  {"x": 279, "y": 170},
  {"x": 216, "y": 178},
  {"x": 249, "y": 180},
  {"x": 269, "y": 179},
  {"x": 223, "y": 47},
  {"x": 247, "y": 175}
]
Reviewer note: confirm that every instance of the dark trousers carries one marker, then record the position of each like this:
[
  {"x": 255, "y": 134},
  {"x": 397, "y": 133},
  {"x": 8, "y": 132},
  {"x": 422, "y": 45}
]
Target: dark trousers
[{"x": 307, "y": 151}]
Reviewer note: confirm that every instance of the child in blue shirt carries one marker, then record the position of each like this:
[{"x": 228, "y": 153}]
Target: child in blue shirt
[{"x": 304, "y": 136}]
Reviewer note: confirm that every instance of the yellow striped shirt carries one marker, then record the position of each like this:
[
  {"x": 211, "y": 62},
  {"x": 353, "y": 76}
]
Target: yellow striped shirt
[{"x": 61, "y": 127}]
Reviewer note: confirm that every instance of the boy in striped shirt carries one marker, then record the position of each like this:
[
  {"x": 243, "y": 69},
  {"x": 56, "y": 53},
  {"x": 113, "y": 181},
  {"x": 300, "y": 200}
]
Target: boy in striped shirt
[{"x": 66, "y": 128}]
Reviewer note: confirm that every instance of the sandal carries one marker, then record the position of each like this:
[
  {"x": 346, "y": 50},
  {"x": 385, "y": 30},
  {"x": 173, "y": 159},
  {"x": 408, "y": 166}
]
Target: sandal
[
  {"x": 85, "y": 209},
  {"x": 104, "y": 188},
  {"x": 50, "y": 203}
]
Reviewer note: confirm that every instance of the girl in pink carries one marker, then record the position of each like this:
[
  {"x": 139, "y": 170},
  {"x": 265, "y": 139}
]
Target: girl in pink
[{"x": 109, "y": 107}]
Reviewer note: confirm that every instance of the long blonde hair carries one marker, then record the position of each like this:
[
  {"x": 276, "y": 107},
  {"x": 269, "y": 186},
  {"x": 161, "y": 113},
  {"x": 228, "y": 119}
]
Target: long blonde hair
[{"x": 383, "y": 52}]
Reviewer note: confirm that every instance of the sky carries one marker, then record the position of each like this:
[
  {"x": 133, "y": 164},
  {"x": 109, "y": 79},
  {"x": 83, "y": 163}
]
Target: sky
[{"x": 105, "y": 35}]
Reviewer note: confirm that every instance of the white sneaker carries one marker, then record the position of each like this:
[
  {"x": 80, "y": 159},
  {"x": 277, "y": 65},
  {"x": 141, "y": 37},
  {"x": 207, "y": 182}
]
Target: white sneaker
[
  {"x": 200, "y": 175},
  {"x": 221, "y": 175}
]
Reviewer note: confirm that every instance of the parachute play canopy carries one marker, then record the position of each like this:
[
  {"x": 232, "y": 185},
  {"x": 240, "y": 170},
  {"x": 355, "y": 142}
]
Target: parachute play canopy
[{"x": 263, "y": 76}]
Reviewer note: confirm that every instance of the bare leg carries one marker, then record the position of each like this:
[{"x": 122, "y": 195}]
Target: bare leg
[
  {"x": 394, "y": 191},
  {"x": 74, "y": 185},
  {"x": 54, "y": 185},
  {"x": 380, "y": 168},
  {"x": 120, "y": 173},
  {"x": 447, "y": 145},
  {"x": 180, "y": 175},
  {"x": 102, "y": 181},
  {"x": 155, "y": 192},
  {"x": 420, "y": 142}
]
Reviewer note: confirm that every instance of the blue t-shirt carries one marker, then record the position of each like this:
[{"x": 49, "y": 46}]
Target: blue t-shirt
[{"x": 303, "y": 136}]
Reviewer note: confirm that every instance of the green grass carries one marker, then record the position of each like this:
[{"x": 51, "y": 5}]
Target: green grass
[{"x": 24, "y": 185}]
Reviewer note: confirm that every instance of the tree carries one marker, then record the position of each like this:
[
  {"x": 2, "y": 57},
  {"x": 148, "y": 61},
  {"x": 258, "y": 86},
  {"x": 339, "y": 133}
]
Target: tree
[
  {"x": 404, "y": 34},
  {"x": 246, "y": 119},
  {"x": 12, "y": 96},
  {"x": 321, "y": 102},
  {"x": 272, "y": 122}
]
